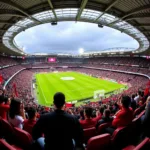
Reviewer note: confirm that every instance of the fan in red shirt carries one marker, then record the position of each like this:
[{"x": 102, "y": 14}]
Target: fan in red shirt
[
  {"x": 99, "y": 114},
  {"x": 124, "y": 116},
  {"x": 29, "y": 123},
  {"x": 3, "y": 107},
  {"x": 89, "y": 121}
]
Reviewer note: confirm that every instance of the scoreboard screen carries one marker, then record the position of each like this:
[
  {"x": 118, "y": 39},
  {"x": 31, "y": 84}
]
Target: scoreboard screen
[{"x": 51, "y": 59}]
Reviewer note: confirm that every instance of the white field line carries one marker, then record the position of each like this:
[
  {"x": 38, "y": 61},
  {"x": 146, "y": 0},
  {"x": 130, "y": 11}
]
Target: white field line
[{"x": 42, "y": 91}]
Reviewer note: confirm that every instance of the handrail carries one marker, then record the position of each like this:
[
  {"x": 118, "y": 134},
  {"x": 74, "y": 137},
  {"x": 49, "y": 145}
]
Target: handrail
[{"x": 12, "y": 77}]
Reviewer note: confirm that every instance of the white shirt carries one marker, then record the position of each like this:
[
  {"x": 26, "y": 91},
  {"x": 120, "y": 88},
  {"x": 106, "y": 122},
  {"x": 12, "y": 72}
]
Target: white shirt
[
  {"x": 137, "y": 98},
  {"x": 17, "y": 121}
]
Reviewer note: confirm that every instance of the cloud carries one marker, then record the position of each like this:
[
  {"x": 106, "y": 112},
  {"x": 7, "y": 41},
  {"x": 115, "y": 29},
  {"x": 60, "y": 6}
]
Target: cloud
[{"x": 68, "y": 37}]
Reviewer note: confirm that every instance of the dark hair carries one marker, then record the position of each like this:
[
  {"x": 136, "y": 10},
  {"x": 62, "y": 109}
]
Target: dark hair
[
  {"x": 88, "y": 111},
  {"x": 101, "y": 109},
  {"x": 126, "y": 101},
  {"x": 116, "y": 105},
  {"x": 14, "y": 108},
  {"x": 1, "y": 98},
  {"x": 133, "y": 96},
  {"x": 107, "y": 112},
  {"x": 139, "y": 93},
  {"x": 31, "y": 112},
  {"x": 59, "y": 99},
  {"x": 82, "y": 114},
  {"x": 142, "y": 93},
  {"x": 111, "y": 108}
]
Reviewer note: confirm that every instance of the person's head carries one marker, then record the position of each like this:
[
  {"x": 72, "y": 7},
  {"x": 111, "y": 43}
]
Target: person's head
[
  {"x": 139, "y": 93},
  {"x": 116, "y": 105},
  {"x": 88, "y": 112},
  {"x": 111, "y": 108},
  {"x": 59, "y": 100},
  {"x": 107, "y": 113},
  {"x": 142, "y": 93},
  {"x": 15, "y": 107},
  {"x": 31, "y": 113},
  {"x": 126, "y": 101},
  {"x": 1, "y": 99},
  {"x": 82, "y": 113},
  {"x": 101, "y": 110},
  {"x": 133, "y": 96}
]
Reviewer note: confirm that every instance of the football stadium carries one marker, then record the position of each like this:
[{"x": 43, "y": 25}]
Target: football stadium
[{"x": 74, "y": 75}]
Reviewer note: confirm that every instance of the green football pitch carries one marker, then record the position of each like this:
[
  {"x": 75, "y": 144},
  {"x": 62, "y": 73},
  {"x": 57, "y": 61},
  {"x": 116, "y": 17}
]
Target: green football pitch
[{"x": 74, "y": 85}]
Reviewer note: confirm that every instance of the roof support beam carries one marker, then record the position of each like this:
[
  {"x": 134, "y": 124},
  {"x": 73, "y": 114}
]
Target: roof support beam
[
  {"x": 146, "y": 31},
  {"x": 3, "y": 30},
  {"x": 5, "y": 37},
  {"x": 52, "y": 8},
  {"x": 18, "y": 8},
  {"x": 9, "y": 23},
  {"x": 12, "y": 14},
  {"x": 135, "y": 11},
  {"x": 143, "y": 25},
  {"x": 137, "y": 17},
  {"x": 83, "y": 4},
  {"x": 108, "y": 8}
]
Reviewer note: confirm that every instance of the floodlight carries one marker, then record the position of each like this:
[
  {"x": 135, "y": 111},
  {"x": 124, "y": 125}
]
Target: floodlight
[{"x": 81, "y": 50}]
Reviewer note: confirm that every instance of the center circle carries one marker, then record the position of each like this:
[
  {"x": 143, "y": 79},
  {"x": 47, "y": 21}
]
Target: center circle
[{"x": 67, "y": 78}]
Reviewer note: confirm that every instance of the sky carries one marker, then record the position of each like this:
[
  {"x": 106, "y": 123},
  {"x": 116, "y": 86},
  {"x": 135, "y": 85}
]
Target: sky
[{"x": 69, "y": 37}]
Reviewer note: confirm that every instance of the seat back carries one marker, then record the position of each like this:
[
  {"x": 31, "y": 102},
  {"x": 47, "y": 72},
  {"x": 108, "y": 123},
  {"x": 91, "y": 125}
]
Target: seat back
[
  {"x": 121, "y": 137},
  {"x": 7, "y": 131},
  {"x": 5, "y": 146},
  {"x": 136, "y": 112},
  {"x": 136, "y": 123},
  {"x": 144, "y": 145},
  {"x": 100, "y": 142},
  {"x": 141, "y": 114},
  {"x": 88, "y": 133},
  {"x": 102, "y": 127},
  {"x": 24, "y": 139}
]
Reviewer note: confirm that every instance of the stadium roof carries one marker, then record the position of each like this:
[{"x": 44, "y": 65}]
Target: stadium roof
[{"x": 129, "y": 16}]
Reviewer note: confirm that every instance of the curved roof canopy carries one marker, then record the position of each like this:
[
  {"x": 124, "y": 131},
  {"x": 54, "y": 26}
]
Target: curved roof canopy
[{"x": 129, "y": 16}]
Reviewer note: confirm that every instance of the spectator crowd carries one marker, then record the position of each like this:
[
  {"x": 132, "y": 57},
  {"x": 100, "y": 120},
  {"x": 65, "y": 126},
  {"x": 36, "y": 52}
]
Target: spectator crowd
[{"x": 59, "y": 124}]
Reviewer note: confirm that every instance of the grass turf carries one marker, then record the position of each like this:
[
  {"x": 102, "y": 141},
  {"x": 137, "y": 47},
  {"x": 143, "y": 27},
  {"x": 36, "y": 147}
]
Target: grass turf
[{"x": 83, "y": 86}]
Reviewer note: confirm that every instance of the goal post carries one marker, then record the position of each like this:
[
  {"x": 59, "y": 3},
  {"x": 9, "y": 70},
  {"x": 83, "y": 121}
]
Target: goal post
[{"x": 98, "y": 94}]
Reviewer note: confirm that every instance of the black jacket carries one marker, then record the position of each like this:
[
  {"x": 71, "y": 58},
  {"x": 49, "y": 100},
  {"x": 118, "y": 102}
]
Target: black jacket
[
  {"x": 146, "y": 121},
  {"x": 59, "y": 129}
]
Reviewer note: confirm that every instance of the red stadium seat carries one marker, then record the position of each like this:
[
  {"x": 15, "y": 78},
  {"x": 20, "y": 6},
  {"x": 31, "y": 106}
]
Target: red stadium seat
[
  {"x": 144, "y": 145},
  {"x": 141, "y": 114},
  {"x": 102, "y": 127},
  {"x": 24, "y": 139},
  {"x": 137, "y": 112},
  {"x": 7, "y": 131},
  {"x": 88, "y": 133},
  {"x": 100, "y": 142},
  {"x": 117, "y": 132},
  {"x": 137, "y": 124},
  {"x": 6, "y": 146},
  {"x": 122, "y": 137}
]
